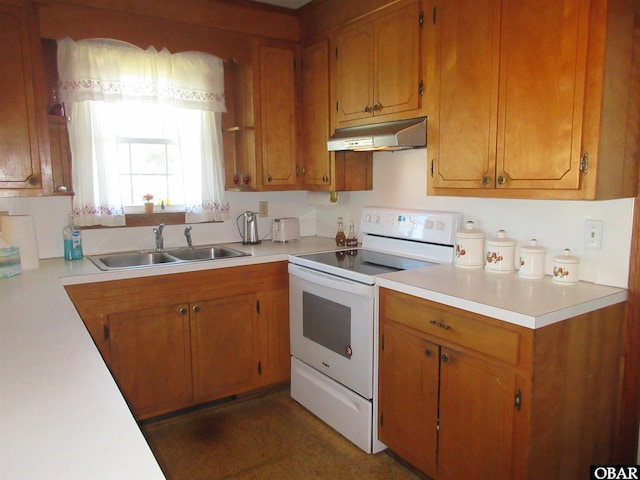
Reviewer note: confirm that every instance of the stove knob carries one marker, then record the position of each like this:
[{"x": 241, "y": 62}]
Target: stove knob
[
  {"x": 376, "y": 219},
  {"x": 439, "y": 225},
  {"x": 428, "y": 224},
  {"x": 367, "y": 217}
]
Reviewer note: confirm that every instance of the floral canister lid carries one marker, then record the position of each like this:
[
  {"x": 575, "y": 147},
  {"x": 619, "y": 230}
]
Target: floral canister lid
[
  {"x": 533, "y": 247},
  {"x": 469, "y": 231},
  {"x": 502, "y": 240}
]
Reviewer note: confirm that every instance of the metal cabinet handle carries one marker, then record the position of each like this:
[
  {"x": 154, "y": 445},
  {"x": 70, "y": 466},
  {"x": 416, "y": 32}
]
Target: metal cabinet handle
[
  {"x": 444, "y": 357},
  {"x": 196, "y": 308},
  {"x": 486, "y": 179},
  {"x": 377, "y": 107},
  {"x": 183, "y": 311},
  {"x": 269, "y": 179},
  {"x": 438, "y": 324},
  {"x": 428, "y": 352},
  {"x": 325, "y": 178},
  {"x": 501, "y": 180},
  {"x": 367, "y": 109},
  {"x": 33, "y": 181}
]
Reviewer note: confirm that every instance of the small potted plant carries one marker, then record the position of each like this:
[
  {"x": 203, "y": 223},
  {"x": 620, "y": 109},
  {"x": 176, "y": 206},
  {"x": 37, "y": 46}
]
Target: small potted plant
[{"x": 148, "y": 203}]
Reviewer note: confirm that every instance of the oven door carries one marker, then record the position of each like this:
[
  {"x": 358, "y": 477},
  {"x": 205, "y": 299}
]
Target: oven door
[{"x": 332, "y": 326}]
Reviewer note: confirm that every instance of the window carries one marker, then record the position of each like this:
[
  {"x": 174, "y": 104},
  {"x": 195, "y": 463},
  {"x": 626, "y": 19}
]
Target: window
[{"x": 143, "y": 122}]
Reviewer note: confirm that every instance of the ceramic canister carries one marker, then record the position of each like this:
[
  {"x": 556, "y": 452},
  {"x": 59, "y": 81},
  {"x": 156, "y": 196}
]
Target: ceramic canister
[
  {"x": 566, "y": 268},
  {"x": 469, "y": 251},
  {"x": 500, "y": 254},
  {"x": 532, "y": 260}
]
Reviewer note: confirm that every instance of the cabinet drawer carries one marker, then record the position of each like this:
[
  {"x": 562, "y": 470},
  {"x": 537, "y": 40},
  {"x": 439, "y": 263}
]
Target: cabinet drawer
[{"x": 454, "y": 326}]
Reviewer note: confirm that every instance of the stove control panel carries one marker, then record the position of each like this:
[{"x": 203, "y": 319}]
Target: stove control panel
[{"x": 430, "y": 226}]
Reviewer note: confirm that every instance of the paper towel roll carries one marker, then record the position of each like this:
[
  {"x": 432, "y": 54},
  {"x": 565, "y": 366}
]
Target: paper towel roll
[
  {"x": 322, "y": 199},
  {"x": 18, "y": 231}
]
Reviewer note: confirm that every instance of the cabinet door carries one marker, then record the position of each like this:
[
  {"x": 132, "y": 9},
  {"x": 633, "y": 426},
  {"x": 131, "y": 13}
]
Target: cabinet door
[
  {"x": 23, "y": 170},
  {"x": 225, "y": 343},
  {"x": 542, "y": 81},
  {"x": 315, "y": 157},
  {"x": 151, "y": 358},
  {"x": 275, "y": 352},
  {"x": 408, "y": 386},
  {"x": 476, "y": 418},
  {"x": 462, "y": 91},
  {"x": 60, "y": 155},
  {"x": 277, "y": 116},
  {"x": 354, "y": 74},
  {"x": 396, "y": 65}
]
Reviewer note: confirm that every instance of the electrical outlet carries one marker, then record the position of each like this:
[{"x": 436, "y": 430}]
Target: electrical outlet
[
  {"x": 263, "y": 208},
  {"x": 593, "y": 234}
]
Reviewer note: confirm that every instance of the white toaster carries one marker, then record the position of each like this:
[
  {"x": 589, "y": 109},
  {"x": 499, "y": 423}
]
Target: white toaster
[{"x": 285, "y": 229}]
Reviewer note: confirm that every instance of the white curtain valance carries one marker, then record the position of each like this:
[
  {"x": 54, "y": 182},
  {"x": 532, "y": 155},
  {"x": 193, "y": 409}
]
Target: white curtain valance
[{"x": 114, "y": 71}]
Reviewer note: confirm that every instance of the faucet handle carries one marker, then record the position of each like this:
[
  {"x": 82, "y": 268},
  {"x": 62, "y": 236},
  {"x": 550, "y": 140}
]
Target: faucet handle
[{"x": 187, "y": 233}]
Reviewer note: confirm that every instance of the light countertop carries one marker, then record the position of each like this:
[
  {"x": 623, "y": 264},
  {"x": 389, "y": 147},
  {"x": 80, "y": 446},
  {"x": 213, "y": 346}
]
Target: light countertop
[
  {"x": 61, "y": 413},
  {"x": 532, "y": 303}
]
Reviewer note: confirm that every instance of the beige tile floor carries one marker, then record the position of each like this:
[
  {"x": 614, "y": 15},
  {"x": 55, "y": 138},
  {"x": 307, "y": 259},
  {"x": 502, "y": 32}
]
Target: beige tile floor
[{"x": 269, "y": 437}]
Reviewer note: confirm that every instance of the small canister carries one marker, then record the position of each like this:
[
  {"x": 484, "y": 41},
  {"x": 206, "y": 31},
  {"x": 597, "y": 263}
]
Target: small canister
[
  {"x": 500, "y": 254},
  {"x": 566, "y": 268},
  {"x": 469, "y": 251},
  {"x": 532, "y": 260}
]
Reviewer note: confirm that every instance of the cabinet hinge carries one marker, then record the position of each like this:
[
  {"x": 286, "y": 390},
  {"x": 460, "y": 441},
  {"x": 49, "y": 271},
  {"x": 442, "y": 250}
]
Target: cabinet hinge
[
  {"x": 518, "y": 400},
  {"x": 433, "y": 15},
  {"x": 421, "y": 18},
  {"x": 297, "y": 170},
  {"x": 381, "y": 419},
  {"x": 258, "y": 306},
  {"x": 421, "y": 88},
  {"x": 584, "y": 163},
  {"x": 105, "y": 331},
  {"x": 259, "y": 368},
  {"x": 336, "y": 105},
  {"x": 382, "y": 342},
  {"x": 432, "y": 167}
]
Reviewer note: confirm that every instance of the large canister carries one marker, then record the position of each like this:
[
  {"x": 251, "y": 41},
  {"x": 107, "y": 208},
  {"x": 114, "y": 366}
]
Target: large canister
[
  {"x": 500, "y": 254},
  {"x": 469, "y": 251},
  {"x": 566, "y": 268},
  {"x": 532, "y": 260}
]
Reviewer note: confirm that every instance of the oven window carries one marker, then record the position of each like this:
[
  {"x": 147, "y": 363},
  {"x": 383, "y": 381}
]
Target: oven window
[{"x": 327, "y": 323}]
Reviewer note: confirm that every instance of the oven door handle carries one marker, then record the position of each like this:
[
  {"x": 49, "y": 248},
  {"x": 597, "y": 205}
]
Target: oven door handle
[{"x": 330, "y": 281}]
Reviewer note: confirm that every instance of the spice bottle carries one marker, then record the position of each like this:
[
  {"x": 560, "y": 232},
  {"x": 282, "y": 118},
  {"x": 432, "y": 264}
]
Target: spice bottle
[
  {"x": 352, "y": 241},
  {"x": 341, "y": 239}
]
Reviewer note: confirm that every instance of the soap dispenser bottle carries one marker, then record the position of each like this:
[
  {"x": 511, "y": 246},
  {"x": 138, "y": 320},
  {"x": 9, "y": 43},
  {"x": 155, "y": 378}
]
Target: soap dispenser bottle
[{"x": 72, "y": 241}]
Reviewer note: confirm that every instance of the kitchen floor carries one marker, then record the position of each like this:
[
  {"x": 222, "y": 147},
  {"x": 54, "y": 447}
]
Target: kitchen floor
[{"x": 268, "y": 437}]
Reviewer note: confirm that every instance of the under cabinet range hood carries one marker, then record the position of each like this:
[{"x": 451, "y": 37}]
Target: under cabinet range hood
[{"x": 389, "y": 136}]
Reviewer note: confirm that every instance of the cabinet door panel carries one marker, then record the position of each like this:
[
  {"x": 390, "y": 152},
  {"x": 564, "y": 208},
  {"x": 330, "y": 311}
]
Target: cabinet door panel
[
  {"x": 21, "y": 131},
  {"x": 151, "y": 359},
  {"x": 354, "y": 81},
  {"x": 224, "y": 342},
  {"x": 542, "y": 92},
  {"x": 315, "y": 114},
  {"x": 278, "y": 116},
  {"x": 397, "y": 61},
  {"x": 408, "y": 386},
  {"x": 462, "y": 89},
  {"x": 476, "y": 418}
]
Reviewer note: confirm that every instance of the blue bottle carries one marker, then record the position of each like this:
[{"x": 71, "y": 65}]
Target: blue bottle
[{"x": 72, "y": 241}]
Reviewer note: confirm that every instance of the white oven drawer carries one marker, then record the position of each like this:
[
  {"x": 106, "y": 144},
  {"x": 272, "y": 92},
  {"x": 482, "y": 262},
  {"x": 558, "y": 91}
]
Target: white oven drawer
[{"x": 339, "y": 407}]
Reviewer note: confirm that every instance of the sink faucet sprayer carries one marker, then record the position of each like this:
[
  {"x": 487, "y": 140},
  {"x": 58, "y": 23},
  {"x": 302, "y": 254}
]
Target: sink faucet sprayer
[
  {"x": 159, "y": 240},
  {"x": 187, "y": 233}
]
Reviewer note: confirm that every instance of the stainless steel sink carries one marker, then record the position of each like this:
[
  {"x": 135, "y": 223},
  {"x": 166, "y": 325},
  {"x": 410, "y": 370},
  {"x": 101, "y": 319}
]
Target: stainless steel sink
[
  {"x": 207, "y": 253},
  {"x": 125, "y": 260}
]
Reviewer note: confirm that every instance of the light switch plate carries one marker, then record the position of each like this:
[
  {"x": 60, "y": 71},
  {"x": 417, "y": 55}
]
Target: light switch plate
[{"x": 593, "y": 234}]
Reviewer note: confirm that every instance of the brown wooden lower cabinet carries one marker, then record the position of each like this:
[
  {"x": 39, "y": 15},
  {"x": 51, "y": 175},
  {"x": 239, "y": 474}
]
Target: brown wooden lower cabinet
[
  {"x": 173, "y": 341},
  {"x": 463, "y": 396}
]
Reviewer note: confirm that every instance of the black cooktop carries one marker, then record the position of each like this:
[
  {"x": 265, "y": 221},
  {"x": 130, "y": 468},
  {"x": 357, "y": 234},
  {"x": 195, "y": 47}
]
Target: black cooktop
[{"x": 367, "y": 262}]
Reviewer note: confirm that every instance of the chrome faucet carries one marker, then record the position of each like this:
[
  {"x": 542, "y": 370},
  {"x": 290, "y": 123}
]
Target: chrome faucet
[
  {"x": 187, "y": 233},
  {"x": 159, "y": 240}
]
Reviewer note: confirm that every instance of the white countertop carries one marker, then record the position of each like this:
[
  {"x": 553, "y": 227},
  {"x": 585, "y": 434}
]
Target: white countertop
[
  {"x": 61, "y": 413},
  {"x": 505, "y": 296}
]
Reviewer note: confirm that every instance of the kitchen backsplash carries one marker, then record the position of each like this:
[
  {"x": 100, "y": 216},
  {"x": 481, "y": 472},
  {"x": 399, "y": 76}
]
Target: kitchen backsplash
[{"x": 398, "y": 181}]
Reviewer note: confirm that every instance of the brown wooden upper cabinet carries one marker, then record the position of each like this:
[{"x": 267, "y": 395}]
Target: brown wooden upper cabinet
[
  {"x": 259, "y": 129},
  {"x": 377, "y": 68},
  {"x": 25, "y": 167},
  {"x": 524, "y": 98}
]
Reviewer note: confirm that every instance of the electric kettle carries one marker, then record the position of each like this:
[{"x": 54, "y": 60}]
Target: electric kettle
[{"x": 249, "y": 227}]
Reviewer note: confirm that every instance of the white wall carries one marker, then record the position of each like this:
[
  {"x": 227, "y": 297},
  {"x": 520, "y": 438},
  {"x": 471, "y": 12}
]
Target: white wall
[{"x": 399, "y": 181}]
